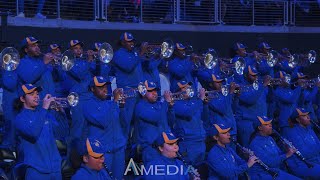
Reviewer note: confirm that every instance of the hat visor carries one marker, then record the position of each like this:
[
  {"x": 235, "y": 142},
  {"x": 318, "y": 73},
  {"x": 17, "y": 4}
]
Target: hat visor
[
  {"x": 81, "y": 44},
  {"x": 39, "y": 89},
  {"x": 96, "y": 155},
  {"x": 304, "y": 113},
  {"x": 171, "y": 141},
  {"x": 223, "y": 131}
]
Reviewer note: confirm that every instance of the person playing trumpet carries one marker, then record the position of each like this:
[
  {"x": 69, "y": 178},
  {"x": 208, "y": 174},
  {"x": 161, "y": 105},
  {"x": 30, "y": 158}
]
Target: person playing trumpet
[
  {"x": 249, "y": 104},
  {"x": 152, "y": 117},
  {"x": 286, "y": 99},
  {"x": 103, "y": 122},
  {"x": 188, "y": 125},
  {"x": 36, "y": 129},
  {"x": 220, "y": 108},
  {"x": 180, "y": 68},
  {"x": 32, "y": 68}
]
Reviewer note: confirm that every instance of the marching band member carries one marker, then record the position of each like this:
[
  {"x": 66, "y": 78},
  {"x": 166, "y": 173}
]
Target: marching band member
[
  {"x": 10, "y": 86},
  {"x": 180, "y": 68},
  {"x": 286, "y": 100},
  {"x": 223, "y": 161},
  {"x": 128, "y": 71},
  {"x": 304, "y": 138},
  {"x": 103, "y": 122},
  {"x": 250, "y": 104},
  {"x": 188, "y": 124},
  {"x": 93, "y": 162},
  {"x": 152, "y": 117},
  {"x": 264, "y": 147},
  {"x": 79, "y": 78},
  {"x": 221, "y": 106},
  {"x": 167, "y": 148},
  {"x": 263, "y": 67},
  {"x": 36, "y": 128},
  {"x": 32, "y": 69}
]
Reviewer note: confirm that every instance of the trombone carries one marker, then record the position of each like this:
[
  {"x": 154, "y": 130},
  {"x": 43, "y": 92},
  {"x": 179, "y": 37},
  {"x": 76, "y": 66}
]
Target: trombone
[
  {"x": 10, "y": 58},
  {"x": 279, "y": 81}
]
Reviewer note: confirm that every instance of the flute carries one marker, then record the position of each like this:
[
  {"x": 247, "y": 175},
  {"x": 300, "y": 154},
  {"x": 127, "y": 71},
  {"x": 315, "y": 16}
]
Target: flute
[{"x": 250, "y": 153}]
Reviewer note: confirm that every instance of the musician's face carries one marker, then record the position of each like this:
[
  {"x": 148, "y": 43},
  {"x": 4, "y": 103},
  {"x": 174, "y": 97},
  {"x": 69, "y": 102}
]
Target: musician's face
[
  {"x": 129, "y": 45},
  {"x": 180, "y": 53},
  {"x": 222, "y": 138},
  {"x": 252, "y": 78},
  {"x": 265, "y": 129},
  {"x": 217, "y": 85},
  {"x": 169, "y": 150},
  {"x": 33, "y": 50},
  {"x": 242, "y": 52},
  {"x": 185, "y": 89},
  {"x": 304, "y": 120},
  {"x": 265, "y": 51},
  {"x": 94, "y": 163},
  {"x": 31, "y": 100},
  {"x": 56, "y": 51},
  {"x": 152, "y": 95},
  {"x": 100, "y": 91},
  {"x": 77, "y": 50}
]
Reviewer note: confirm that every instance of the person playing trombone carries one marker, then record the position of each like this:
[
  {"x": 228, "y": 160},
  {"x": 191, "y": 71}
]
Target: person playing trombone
[
  {"x": 302, "y": 136},
  {"x": 103, "y": 122},
  {"x": 36, "y": 129},
  {"x": 188, "y": 125},
  {"x": 286, "y": 98}
]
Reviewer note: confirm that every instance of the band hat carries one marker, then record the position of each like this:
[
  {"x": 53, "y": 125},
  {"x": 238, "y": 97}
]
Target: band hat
[
  {"x": 94, "y": 148},
  {"x": 264, "y": 45},
  {"x": 299, "y": 112},
  {"x": 126, "y": 36},
  {"x": 150, "y": 85},
  {"x": 166, "y": 137},
  {"x": 218, "y": 129},
  {"x": 73, "y": 43},
  {"x": 180, "y": 46},
  {"x": 251, "y": 70},
  {"x": 27, "y": 89},
  {"x": 280, "y": 74},
  {"x": 54, "y": 46},
  {"x": 239, "y": 46},
  {"x": 99, "y": 81},
  {"x": 261, "y": 120},
  {"x": 28, "y": 41},
  {"x": 183, "y": 84},
  {"x": 216, "y": 78},
  {"x": 96, "y": 46}
]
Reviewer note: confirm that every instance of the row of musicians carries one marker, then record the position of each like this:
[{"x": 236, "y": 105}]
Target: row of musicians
[
  {"x": 188, "y": 119},
  {"x": 38, "y": 127}
]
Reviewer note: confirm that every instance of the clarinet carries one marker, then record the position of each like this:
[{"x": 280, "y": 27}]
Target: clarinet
[
  {"x": 288, "y": 143},
  {"x": 250, "y": 153},
  {"x": 179, "y": 156},
  {"x": 108, "y": 171},
  {"x": 315, "y": 125}
]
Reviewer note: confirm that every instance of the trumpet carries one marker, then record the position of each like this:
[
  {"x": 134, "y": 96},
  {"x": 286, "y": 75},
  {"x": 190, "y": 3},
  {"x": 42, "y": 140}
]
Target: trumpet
[
  {"x": 279, "y": 81},
  {"x": 271, "y": 57},
  {"x": 71, "y": 100},
  {"x": 246, "y": 88},
  {"x": 104, "y": 54},
  {"x": 238, "y": 66},
  {"x": 209, "y": 59},
  {"x": 215, "y": 93},
  {"x": 166, "y": 49},
  {"x": 10, "y": 58},
  {"x": 133, "y": 92},
  {"x": 292, "y": 59},
  {"x": 311, "y": 57},
  {"x": 183, "y": 95}
]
